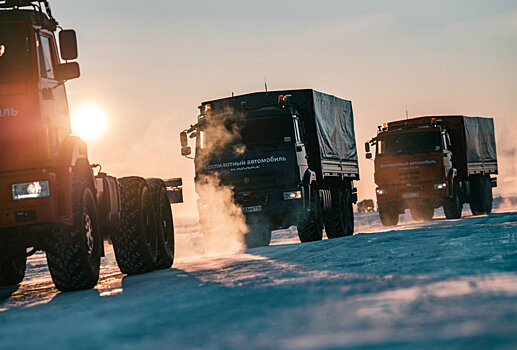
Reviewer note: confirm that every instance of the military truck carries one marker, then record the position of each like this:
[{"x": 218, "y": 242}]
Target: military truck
[
  {"x": 434, "y": 161},
  {"x": 365, "y": 206},
  {"x": 50, "y": 199},
  {"x": 289, "y": 157}
]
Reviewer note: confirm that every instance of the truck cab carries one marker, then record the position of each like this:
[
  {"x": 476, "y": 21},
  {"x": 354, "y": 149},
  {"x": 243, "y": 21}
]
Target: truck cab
[
  {"x": 260, "y": 154},
  {"x": 34, "y": 114}
]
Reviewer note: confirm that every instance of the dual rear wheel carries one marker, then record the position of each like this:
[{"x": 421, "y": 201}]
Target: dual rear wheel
[
  {"x": 338, "y": 220},
  {"x": 143, "y": 241}
]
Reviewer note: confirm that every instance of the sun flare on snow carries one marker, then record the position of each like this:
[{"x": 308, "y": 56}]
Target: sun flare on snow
[{"x": 89, "y": 122}]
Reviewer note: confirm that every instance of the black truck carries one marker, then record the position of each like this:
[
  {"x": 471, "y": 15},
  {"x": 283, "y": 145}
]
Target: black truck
[{"x": 289, "y": 157}]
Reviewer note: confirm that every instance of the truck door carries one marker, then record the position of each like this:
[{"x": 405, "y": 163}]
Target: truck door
[
  {"x": 301, "y": 154},
  {"x": 447, "y": 154},
  {"x": 54, "y": 106}
]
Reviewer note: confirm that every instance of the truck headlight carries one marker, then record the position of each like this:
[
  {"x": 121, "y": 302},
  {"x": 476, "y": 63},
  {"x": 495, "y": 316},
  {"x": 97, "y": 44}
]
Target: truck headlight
[
  {"x": 26, "y": 190},
  {"x": 381, "y": 191},
  {"x": 440, "y": 186},
  {"x": 292, "y": 195}
]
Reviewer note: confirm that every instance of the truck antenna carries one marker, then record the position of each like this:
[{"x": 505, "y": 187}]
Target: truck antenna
[
  {"x": 265, "y": 83},
  {"x": 407, "y": 114}
]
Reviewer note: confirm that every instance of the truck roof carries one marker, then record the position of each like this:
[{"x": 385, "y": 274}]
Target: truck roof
[
  {"x": 259, "y": 99},
  {"x": 427, "y": 120},
  {"x": 28, "y": 16}
]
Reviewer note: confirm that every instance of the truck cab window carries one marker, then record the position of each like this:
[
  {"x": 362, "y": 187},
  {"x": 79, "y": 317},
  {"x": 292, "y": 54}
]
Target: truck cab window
[
  {"x": 45, "y": 51},
  {"x": 421, "y": 142}
]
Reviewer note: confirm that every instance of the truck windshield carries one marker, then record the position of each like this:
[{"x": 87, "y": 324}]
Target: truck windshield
[
  {"x": 15, "y": 53},
  {"x": 421, "y": 142},
  {"x": 241, "y": 134}
]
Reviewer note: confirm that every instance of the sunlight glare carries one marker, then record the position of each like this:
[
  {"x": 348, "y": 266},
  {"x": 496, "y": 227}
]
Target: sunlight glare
[{"x": 89, "y": 122}]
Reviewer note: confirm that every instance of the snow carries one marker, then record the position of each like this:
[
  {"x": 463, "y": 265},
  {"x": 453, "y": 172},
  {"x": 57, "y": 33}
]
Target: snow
[{"x": 440, "y": 284}]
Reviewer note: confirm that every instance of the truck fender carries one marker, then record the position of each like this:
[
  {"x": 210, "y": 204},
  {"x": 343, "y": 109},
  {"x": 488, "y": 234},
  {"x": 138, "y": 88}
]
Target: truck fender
[
  {"x": 72, "y": 159},
  {"x": 453, "y": 173},
  {"x": 308, "y": 180},
  {"x": 71, "y": 150}
]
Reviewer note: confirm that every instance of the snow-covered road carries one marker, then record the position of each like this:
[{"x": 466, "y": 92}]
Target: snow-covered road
[{"x": 442, "y": 284}]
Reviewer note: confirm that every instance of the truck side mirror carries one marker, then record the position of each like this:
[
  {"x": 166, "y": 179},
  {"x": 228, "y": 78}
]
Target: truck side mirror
[
  {"x": 68, "y": 44},
  {"x": 368, "y": 156},
  {"x": 67, "y": 71},
  {"x": 186, "y": 151},
  {"x": 183, "y": 139},
  {"x": 367, "y": 147}
]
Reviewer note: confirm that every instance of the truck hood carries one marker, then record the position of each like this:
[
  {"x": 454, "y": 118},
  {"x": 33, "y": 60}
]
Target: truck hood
[{"x": 409, "y": 169}]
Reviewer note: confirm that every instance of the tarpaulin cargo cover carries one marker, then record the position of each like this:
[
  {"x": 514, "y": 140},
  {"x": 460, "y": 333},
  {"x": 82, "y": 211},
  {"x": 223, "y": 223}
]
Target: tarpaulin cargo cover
[{"x": 328, "y": 122}]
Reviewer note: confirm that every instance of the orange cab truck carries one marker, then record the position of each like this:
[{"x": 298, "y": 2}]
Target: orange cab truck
[
  {"x": 50, "y": 198},
  {"x": 436, "y": 161}
]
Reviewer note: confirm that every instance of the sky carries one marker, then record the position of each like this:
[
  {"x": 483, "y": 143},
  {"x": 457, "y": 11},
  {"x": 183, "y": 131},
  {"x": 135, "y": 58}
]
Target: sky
[{"x": 149, "y": 64}]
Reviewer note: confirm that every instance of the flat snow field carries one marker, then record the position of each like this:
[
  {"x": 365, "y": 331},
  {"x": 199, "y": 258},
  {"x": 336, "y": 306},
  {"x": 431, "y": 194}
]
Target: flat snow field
[{"x": 441, "y": 284}]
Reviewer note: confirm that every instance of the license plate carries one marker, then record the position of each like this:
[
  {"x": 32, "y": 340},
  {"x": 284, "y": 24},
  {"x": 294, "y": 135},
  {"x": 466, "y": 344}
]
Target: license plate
[
  {"x": 410, "y": 195},
  {"x": 253, "y": 209}
]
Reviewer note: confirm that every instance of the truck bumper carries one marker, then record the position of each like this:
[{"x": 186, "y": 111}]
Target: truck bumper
[
  {"x": 272, "y": 208},
  {"x": 405, "y": 197},
  {"x": 31, "y": 211}
]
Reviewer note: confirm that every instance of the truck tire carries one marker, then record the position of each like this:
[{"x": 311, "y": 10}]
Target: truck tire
[
  {"x": 259, "y": 234},
  {"x": 164, "y": 223},
  {"x": 389, "y": 216},
  {"x": 310, "y": 223},
  {"x": 422, "y": 213},
  {"x": 453, "y": 206},
  {"x": 135, "y": 239},
  {"x": 73, "y": 253},
  {"x": 339, "y": 221},
  {"x": 481, "y": 195},
  {"x": 12, "y": 269}
]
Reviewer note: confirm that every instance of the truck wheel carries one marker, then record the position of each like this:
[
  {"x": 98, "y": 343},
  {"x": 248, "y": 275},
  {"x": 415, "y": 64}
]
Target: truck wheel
[
  {"x": 389, "y": 216},
  {"x": 164, "y": 223},
  {"x": 453, "y": 206},
  {"x": 135, "y": 239},
  {"x": 73, "y": 253},
  {"x": 259, "y": 234},
  {"x": 422, "y": 213},
  {"x": 12, "y": 269},
  {"x": 310, "y": 223},
  {"x": 339, "y": 221},
  {"x": 481, "y": 195}
]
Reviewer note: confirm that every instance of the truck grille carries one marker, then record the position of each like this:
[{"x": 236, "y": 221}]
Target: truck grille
[
  {"x": 409, "y": 175},
  {"x": 251, "y": 188}
]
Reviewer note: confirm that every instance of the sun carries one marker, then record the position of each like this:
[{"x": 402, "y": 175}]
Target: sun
[{"x": 89, "y": 122}]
